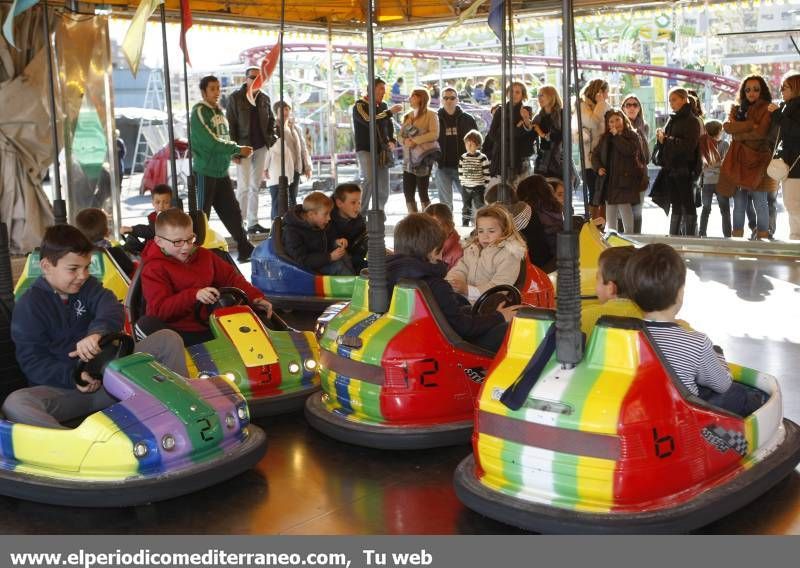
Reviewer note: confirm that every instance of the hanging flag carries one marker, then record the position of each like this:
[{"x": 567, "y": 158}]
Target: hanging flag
[
  {"x": 496, "y": 13},
  {"x": 17, "y": 7},
  {"x": 265, "y": 71},
  {"x": 465, "y": 14},
  {"x": 134, "y": 37},
  {"x": 186, "y": 23}
]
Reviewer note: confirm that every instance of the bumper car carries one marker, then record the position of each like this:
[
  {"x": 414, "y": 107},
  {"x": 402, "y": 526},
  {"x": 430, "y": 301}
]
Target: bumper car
[
  {"x": 273, "y": 366},
  {"x": 616, "y": 444},
  {"x": 383, "y": 386},
  {"x": 289, "y": 286},
  {"x": 167, "y": 436}
]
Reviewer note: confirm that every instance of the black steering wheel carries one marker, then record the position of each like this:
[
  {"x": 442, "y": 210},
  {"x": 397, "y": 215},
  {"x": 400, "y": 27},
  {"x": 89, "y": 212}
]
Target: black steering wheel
[
  {"x": 494, "y": 296},
  {"x": 231, "y": 296},
  {"x": 113, "y": 346}
]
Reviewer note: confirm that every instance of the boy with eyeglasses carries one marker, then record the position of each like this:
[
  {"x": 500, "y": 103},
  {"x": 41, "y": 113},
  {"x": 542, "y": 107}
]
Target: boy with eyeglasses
[{"x": 177, "y": 275}]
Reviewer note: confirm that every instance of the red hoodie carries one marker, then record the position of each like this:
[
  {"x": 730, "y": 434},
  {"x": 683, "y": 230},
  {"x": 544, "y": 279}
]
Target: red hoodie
[{"x": 170, "y": 286}]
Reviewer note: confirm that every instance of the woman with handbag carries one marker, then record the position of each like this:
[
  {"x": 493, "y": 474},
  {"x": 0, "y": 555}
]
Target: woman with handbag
[
  {"x": 547, "y": 124},
  {"x": 620, "y": 166},
  {"x": 787, "y": 117},
  {"x": 678, "y": 154},
  {"x": 744, "y": 169},
  {"x": 419, "y": 135},
  {"x": 521, "y": 141},
  {"x": 632, "y": 107}
]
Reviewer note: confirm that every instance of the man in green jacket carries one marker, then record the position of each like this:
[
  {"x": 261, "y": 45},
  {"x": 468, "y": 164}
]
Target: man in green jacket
[{"x": 212, "y": 152}]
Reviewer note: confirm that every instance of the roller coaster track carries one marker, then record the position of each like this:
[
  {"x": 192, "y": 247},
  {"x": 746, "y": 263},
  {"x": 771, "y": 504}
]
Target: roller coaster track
[{"x": 725, "y": 84}]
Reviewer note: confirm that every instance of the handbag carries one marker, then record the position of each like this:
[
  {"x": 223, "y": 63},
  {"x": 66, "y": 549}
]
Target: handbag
[
  {"x": 656, "y": 157},
  {"x": 425, "y": 153},
  {"x": 777, "y": 168}
]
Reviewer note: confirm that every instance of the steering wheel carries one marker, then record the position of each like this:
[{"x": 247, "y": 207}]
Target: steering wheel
[
  {"x": 494, "y": 296},
  {"x": 113, "y": 346},
  {"x": 231, "y": 296}
]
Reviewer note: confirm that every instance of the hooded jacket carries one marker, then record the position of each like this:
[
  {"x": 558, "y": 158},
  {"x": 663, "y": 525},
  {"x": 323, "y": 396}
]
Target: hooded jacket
[
  {"x": 308, "y": 246},
  {"x": 45, "y": 329},
  {"x": 484, "y": 268},
  {"x": 170, "y": 286},
  {"x": 452, "y": 129},
  {"x": 454, "y": 307}
]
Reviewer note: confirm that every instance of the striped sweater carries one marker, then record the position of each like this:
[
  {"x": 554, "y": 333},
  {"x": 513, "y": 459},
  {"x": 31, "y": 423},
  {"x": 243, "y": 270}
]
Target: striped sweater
[
  {"x": 473, "y": 169},
  {"x": 691, "y": 356}
]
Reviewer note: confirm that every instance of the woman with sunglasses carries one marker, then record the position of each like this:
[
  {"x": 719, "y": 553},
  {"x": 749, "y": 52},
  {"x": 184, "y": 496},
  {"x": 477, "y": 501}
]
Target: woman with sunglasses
[
  {"x": 787, "y": 117},
  {"x": 632, "y": 107},
  {"x": 744, "y": 169},
  {"x": 548, "y": 126}
]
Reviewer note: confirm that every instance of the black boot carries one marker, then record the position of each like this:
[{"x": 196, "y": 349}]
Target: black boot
[
  {"x": 690, "y": 224},
  {"x": 675, "y": 224},
  {"x": 704, "y": 221}
]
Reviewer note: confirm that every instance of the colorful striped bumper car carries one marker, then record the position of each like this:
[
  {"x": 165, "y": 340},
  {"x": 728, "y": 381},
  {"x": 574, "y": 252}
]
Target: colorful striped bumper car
[
  {"x": 617, "y": 444},
  {"x": 290, "y": 286},
  {"x": 167, "y": 436},
  {"x": 399, "y": 380}
]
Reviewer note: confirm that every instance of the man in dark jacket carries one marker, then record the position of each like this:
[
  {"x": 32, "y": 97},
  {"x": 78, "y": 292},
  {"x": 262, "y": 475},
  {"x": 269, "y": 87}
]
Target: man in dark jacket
[
  {"x": 454, "y": 124},
  {"x": 384, "y": 130},
  {"x": 251, "y": 126}
]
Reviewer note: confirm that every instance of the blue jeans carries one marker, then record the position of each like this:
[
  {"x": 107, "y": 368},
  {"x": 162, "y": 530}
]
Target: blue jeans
[
  {"x": 292, "y": 190},
  {"x": 445, "y": 179},
  {"x": 724, "y": 208},
  {"x": 367, "y": 181},
  {"x": 740, "y": 203}
]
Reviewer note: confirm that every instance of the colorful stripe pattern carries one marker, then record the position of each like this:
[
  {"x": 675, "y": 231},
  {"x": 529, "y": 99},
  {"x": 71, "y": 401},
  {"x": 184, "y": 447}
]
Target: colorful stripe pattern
[
  {"x": 396, "y": 368},
  {"x": 275, "y": 276},
  {"x": 613, "y": 434},
  {"x": 260, "y": 362},
  {"x": 102, "y": 267},
  {"x": 201, "y": 417}
]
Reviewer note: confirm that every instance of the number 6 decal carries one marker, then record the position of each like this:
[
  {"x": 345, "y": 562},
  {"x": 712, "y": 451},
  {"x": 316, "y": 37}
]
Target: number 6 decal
[{"x": 664, "y": 445}]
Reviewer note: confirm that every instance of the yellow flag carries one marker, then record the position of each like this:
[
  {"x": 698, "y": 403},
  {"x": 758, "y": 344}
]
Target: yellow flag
[{"x": 134, "y": 38}]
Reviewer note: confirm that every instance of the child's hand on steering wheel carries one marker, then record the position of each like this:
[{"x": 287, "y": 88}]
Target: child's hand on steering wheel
[
  {"x": 507, "y": 311},
  {"x": 207, "y": 295},
  {"x": 264, "y": 305},
  {"x": 92, "y": 384},
  {"x": 87, "y": 347}
]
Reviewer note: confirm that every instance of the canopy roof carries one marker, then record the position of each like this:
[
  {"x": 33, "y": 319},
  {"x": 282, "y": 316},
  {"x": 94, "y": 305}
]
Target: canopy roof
[{"x": 344, "y": 13}]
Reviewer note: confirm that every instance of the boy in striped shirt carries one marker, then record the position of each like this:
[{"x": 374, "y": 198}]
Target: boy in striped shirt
[
  {"x": 655, "y": 276},
  {"x": 473, "y": 173}
]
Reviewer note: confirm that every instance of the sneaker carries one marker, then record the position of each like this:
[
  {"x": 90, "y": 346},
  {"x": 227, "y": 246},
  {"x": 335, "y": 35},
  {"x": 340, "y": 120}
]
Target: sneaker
[{"x": 257, "y": 228}]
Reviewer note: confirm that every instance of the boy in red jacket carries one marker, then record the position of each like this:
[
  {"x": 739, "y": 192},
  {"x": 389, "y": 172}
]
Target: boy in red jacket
[{"x": 177, "y": 274}]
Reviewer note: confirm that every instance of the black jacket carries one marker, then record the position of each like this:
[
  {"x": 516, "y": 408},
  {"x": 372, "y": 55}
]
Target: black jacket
[
  {"x": 521, "y": 142},
  {"x": 681, "y": 163},
  {"x": 384, "y": 126},
  {"x": 549, "y": 159},
  {"x": 308, "y": 246},
  {"x": 452, "y": 129},
  {"x": 238, "y": 115},
  {"x": 788, "y": 118},
  {"x": 454, "y": 306},
  {"x": 355, "y": 231}
]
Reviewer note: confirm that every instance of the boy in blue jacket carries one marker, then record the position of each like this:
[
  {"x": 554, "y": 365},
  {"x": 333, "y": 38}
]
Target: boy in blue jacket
[{"x": 57, "y": 323}]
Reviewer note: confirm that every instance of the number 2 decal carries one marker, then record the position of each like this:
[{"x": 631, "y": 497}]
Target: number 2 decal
[{"x": 204, "y": 432}]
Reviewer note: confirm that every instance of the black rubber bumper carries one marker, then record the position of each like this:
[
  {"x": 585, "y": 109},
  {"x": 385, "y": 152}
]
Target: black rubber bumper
[
  {"x": 136, "y": 491},
  {"x": 384, "y": 437},
  {"x": 700, "y": 511},
  {"x": 280, "y": 404}
]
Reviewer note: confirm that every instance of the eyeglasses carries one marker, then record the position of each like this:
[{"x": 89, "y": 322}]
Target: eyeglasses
[
  {"x": 449, "y": 98},
  {"x": 632, "y": 105},
  {"x": 178, "y": 243},
  {"x": 752, "y": 89},
  {"x": 252, "y": 77}
]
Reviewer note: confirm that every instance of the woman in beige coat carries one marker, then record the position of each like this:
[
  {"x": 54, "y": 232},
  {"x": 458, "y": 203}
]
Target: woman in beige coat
[
  {"x": 419, "y": 135},
  {"x": 492, "y": 258},
  {"x": 594, "y": 105}
]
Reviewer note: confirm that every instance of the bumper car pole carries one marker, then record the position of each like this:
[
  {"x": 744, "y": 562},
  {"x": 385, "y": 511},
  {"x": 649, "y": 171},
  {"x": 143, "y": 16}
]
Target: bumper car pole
[
  {"x": 168, "y": 103},
  {"x": 191, "y": 187},
  {"x": 569, "y": 341},
  {"x": 59, "y": 205},
  {"x": 376, "y": 247},
  {"x": 283, "y": 180}
]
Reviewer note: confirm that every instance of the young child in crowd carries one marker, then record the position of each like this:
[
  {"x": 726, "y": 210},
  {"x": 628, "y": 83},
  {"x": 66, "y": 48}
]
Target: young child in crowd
[
  {"x": 492, "y": 258},
  {"x": 348, "y": 223},
  {"x": 177, "y": 274},
  {"x": 610, "y": 288},
  {"x": 59, "y": 322},
  {"x": 161, "y": 196},
  {"x": 451, "y": 250},
  {"x": 536, "y": 192},
  {"x": 473, "y": 173},
  {"x": 713, "y": 149},
  {"x": 655, "y": 276},
  {"x": 418, "y": 241},
  {"x": 93, "y": 223},
  {"x": 305, "y": 237}
]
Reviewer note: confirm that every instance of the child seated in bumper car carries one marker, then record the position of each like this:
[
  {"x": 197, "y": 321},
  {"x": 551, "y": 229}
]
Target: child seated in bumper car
[
  {"x": 418, "y": 241},
  {"x": 612, "y": 296},
  {"x": 59, "y": 322},
  {"x": 348, "y": 223},
  {"x": 137, "y": 236},
  {"x": 93, "y": 223}
]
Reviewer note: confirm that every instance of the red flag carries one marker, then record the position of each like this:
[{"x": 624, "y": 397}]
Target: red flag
[
  {"x": 265, "y": 72},
  {"x": 186, "y": 23}
]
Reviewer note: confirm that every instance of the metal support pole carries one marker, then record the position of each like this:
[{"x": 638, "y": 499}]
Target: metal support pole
[
  {"x": 569, "y": 341},
  {"x": 59, "y": 205},
  {"x": 191, "y": 185},
  {"x": 283, "y": 180},
  {"x": 507, "y": 109},
  {"x": 331, "y": 109},
  {"x": 376, "y": 247},
  {"x": 168, "y": 96},
  {"x": 581, "y": 153}
]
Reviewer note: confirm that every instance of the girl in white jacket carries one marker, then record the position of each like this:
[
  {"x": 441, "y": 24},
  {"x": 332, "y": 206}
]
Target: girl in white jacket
[
  {"x": 297, "y": 160},
  {"x": 594, "y": 105},
  {"x": 493, "y": 256}
]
